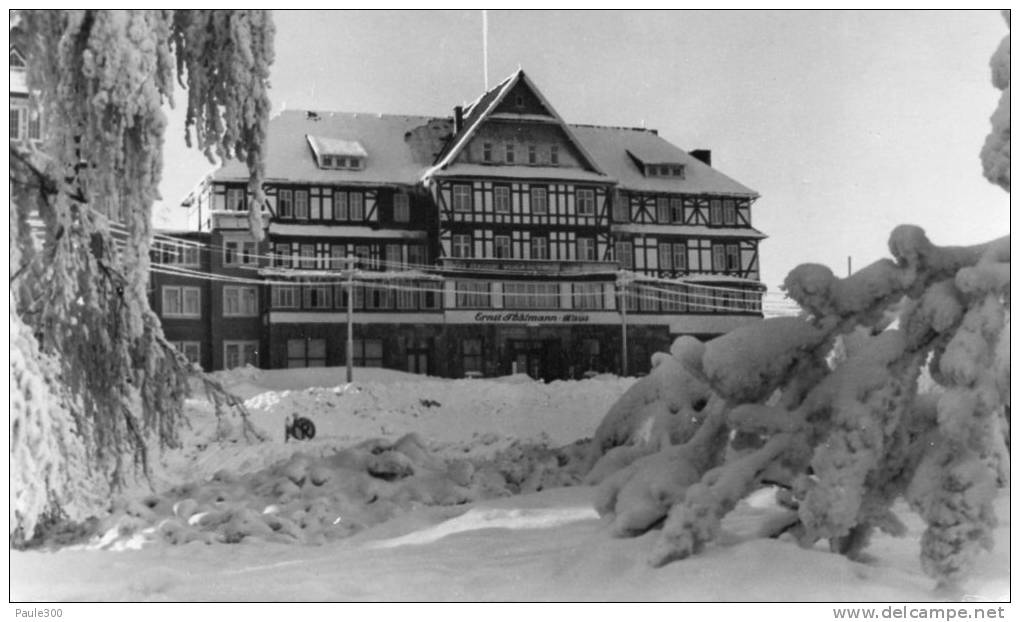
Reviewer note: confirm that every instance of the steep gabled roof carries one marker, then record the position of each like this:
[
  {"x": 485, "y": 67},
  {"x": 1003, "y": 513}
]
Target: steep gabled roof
[
  {"x": 613, "y": 148},
  {"x": 399, "y": 147},
  {"x": 484, "y": 106}
]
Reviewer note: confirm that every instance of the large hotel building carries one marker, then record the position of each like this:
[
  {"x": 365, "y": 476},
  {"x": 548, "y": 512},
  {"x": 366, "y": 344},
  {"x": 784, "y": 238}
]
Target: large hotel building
[{"x": 500, "y": 239}]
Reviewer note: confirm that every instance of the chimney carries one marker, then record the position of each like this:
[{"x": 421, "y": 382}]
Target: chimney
[
  {"x": 458, "y": 119},
  {"x": 705, "y": 155}
]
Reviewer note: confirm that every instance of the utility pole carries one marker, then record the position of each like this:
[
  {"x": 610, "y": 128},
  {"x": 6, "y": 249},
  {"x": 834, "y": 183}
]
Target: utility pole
[
  {"x": 350, "y": 318},
  {"x": 849, "y": 265},
  {"x": 623, "y": 327}
]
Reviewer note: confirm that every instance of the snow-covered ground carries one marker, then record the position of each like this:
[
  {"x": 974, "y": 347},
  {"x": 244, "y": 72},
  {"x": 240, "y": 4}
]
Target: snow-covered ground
[{"x": 465, "y": 508}]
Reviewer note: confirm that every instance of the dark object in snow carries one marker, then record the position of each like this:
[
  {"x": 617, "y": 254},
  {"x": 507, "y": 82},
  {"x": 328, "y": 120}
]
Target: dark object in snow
[
  {"x": 299, "y": 428},
  {"x": 427, "y": 403}
]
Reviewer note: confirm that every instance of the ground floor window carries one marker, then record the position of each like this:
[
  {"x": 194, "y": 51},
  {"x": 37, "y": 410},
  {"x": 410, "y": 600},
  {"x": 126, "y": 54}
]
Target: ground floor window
[
  {"x": 368, "y": 352},
  {"x": 192, "y": 350},
  {"x": 471, "y": 355},
  {"x": 240, "y": 353},
  {"x": 306, "y": 353}
]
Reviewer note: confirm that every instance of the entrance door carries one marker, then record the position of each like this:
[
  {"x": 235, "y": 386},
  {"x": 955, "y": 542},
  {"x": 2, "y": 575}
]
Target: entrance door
[
  {"x": 528, "y": 357},
  {"x": 418, "y": 354}
]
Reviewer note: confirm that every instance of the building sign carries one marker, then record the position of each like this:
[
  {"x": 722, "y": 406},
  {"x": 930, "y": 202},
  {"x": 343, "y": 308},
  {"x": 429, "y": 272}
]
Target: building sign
[
  {"x": 525, "y": 317},
  {"x": 531, "y": 266}
]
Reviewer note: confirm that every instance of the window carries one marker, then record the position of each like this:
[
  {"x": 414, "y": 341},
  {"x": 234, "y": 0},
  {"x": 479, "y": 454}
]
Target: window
[
  {"x": 732, "y": 257},
  {"x": 416, "y": 255},
  {"x": 308, "y": 256},
  {"x": 676, "y": 208},
  {"x": 406, "y": 296},
  {"x": 673, "y": 301},
  {"x": 238, "y": 253},
  {"x": 327, "y": 161},
  {"x": 394, "y": 257},
  {"x": 15, "y": 127},
  {"x": 715, "y": 212},
  {"x": 729, "y": 212},
  {"x": 240, "y": 353},
  {"x": 34, "y": 126},
  {"x": 486, "y": 152},
  {"x": 461, "y": 246},
  {"x": 680, "y": 257},
  {"x": 282, "y": 254},
  {"x": 353, "y": 163},
  {"x": 502, "y": 248},
  {"x": 532, "y": 154},
  {"x": 718, "y": 258},
  {"x": 364, "y": 255},
  {"x": 192, "y": 350},
  {"x": 285, "y": 203},
  {"x": 501, "y": 199},
  {"x": 368, "y": 352},
  {"x": 585, "y": 201},
  {"x": 235, "y": 199},
  {"x": 473, "y": 294},
  {"x": 588, "y": 296},
  {"x": 539, "y": 247},
  {"x": 539, "y": 200},
  {"x": 401, "y": 208},
  {"x": 430, "y": 294},
  {"x": 337, "y": 253},
  {"x": 554, "y": 154},
  {"x": 240, "y": 301},
  {"x": 471, "y": 355},
  {"x": 586, "y": 249},
  {"x": 285, "y": 297},
  {"x": 378, "y": 297},
  {"x": 318, "y": 297},
  {"x": 340, "y": 205},
  {"x": 665, "y": 256},
  {"x": 357, "y": 205},
  {"x": 662, "y": 210},
  {"x": 461, "y": 198},
  {"x": 180, "y": 254},
  {"x": 519, "y": 101},
  {"x": 179, "y": 301},
  {"x": 518, "y": 295},
  {"x": 301, "y": 204},
  {"x": 677, "y": 170},
  {"x": 306, "y": 353},
  {"x": 510, "y": 153},
  {"x": 625, "y": 255}
]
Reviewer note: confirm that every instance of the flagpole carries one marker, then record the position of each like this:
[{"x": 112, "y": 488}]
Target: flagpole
[{"x": 485, "y": 47}]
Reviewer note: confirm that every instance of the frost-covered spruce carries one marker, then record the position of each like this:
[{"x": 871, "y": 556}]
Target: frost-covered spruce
[{"x": 100, "y": 80}]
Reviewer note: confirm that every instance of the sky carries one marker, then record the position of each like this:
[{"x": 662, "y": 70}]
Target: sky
[{"x": 846, "y": 123}]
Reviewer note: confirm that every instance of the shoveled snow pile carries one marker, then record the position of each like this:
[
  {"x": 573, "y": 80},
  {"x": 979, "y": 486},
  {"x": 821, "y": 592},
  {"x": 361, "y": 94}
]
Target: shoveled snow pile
[{"x": 384, "y": 445}]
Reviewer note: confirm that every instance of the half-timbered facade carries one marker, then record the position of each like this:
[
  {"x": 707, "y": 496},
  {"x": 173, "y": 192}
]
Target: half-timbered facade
[{"x": 499, "y": 240}]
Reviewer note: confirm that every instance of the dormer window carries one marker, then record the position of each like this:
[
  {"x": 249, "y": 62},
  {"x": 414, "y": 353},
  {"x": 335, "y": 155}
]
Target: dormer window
[
  {"x": 554, "y": 154},
  {"x": 336, "y": 153},
  {"x": 664, "y": 170},
  {"x": 519, "y": 101},
  {"x": 487, "y": 152},
  {"x": 510, "y": 153}
]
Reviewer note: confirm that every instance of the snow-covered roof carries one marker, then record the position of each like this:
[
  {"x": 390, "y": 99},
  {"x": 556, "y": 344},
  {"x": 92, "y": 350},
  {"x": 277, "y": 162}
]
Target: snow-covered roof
[
  {"x": 402, "y": 150},
  {"x": 398, "y": 155},
  {"x": 609, "y": 146},
  {"x": 336, "y": 146}
]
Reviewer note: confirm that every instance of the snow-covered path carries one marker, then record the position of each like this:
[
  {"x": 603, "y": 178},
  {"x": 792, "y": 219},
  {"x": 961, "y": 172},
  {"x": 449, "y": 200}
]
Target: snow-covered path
[{"x": 520, "y": 560}]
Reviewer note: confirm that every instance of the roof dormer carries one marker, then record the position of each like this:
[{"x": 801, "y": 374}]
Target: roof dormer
[
  {"x": 658, "y": 165},
  {"x": 337, "y": 153}
]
